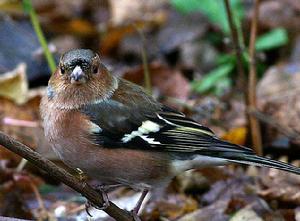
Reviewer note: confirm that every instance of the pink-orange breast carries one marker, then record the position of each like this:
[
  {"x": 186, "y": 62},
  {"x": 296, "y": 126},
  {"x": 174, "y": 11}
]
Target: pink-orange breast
[{"x": 68, "y": 132}]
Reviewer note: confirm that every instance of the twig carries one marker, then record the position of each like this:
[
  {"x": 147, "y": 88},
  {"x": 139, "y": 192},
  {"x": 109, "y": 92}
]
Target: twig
[
  {"x": 37, "y": 28},
  {"x": 237, "y": 48},
  {"x": 63, "y": 176},
  {"x": 253, "y": 122},
  {"x": 40, "y": 201},
  {"x": 148, "y": 85}
]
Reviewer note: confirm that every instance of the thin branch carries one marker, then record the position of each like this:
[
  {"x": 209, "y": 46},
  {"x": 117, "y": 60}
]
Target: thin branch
[
  {"x": 147, "y": 77},
  {"x": 63, "y": 176},
  {"x": 253, "y": 122},
  {"x": 43, "y": 214},
  {"x": 237, "y": 47}
]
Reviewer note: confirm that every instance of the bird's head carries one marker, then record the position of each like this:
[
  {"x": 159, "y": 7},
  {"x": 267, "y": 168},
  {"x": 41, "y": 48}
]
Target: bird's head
[
  {"x": 80, "y": 76},
  {"x": 79, "y": 66}
]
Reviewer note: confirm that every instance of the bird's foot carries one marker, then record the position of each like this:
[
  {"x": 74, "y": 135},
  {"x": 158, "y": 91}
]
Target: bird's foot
[
  {"x": 102, "y": 189},
  {"x": 135, "y": 216}
]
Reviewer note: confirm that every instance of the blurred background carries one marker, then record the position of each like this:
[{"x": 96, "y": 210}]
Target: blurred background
[{"x": 237, "y": 74}]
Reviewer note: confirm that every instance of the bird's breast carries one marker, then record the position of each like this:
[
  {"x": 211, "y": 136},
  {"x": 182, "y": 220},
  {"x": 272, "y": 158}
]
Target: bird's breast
[{"x": 68, "y": 133}]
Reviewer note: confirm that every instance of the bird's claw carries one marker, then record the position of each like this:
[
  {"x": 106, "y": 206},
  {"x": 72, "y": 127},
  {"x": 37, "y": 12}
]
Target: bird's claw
[
  {"x": 88, "y": 205},
  {"x": 135, "y": 215},
  {"x": 105, "y": 205}
]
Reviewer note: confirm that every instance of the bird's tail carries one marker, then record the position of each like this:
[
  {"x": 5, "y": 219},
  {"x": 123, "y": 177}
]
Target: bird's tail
[{"x": 250, "y": 159}]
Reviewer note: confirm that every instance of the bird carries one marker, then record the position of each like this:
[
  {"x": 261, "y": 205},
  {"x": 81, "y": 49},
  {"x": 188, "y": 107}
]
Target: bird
[{"x": 115, "y": 132}]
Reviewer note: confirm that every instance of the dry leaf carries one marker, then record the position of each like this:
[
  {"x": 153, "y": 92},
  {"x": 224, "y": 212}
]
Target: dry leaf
[
  {"x": 124, "y": 11},
  {"x": 236, "y": 135},
  {"x": 278, "y": 99},
  {"x": 246, "y": 215},
  {"x": 214, "y": 212},
  {"x": 280, "y": 186},
  {"x": 169, "y": 82},
  {"x": 14, "y": 85},
  {"x": 174, "y": 206}
]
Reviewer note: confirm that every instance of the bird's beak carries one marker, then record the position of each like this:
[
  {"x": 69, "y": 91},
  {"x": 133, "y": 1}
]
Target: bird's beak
[{"x": 77, "y": 76}]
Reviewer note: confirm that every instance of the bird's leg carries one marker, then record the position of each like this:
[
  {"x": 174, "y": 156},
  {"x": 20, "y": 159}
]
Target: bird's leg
[
  {"x": 140, "y": 201},
  {"x": 105, "y": 204},
  {"x": 88, "y": 205},
  {"x": 102, "y": 189}
]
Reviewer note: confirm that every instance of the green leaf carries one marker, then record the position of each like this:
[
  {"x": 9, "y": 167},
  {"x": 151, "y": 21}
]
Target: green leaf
[
  {"x": 273, "y": 39},
  {"x": 226, "y": 58},
  {"x": 213, "y": 9},
  {"x": 211, "y": 79}
]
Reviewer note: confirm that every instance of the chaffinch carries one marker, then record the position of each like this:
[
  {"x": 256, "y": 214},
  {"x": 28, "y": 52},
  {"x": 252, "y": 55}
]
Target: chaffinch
[{"x": 118, "y": 134}]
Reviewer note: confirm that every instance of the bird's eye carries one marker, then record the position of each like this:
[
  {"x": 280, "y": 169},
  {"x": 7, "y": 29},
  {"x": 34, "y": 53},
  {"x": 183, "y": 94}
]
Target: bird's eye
[
  {"x": 95, "y": 70},
  {"x": 62, "y": 70}
]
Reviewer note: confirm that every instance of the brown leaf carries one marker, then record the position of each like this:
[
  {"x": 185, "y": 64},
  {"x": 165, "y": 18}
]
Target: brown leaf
[
  {"x": 79, "y": 27},
  {"x": 127, "y": 11},
  {"x": 236, "y": 135},
  {"x": 214, "y": 212},
  {"x": 111, "y": 39},
  {"x": 280, "y": 186},
  {"x": 170, "y": 83},
  {"x": 14, "y": 85},
  {"x": 174, "y": 206},
  {"x": 278, "y": 99},
  {"x": 21, "y": 122},
  {"x": 287, "y": 18}
]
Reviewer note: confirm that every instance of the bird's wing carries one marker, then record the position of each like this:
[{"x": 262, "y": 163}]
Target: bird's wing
[
  {"x": 152, "y": 128},
  {"x": 141, "y": 123}
]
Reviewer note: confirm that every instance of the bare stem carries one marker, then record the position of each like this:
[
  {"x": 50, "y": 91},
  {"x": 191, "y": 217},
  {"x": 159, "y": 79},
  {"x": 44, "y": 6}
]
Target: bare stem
[
  {"x": 63, "y": 176},
  {"x": 147, "y": 77},
  {"x": 253, "y": 122},
  {"x": 237, "y": 48}
]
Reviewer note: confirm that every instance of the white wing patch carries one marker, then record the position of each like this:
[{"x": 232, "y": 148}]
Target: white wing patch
[
  {"x": 146, "y": 128},
  {"x": 150, "y": 140},
  {"x": 168, "y": 122}
]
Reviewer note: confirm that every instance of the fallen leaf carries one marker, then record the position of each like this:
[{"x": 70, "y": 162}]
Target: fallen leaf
[
  {"x": 277, "y": 94},
  {"x": 172, "y": 207},
  {"x": 21, "y": 122},
  {"x": 287, "y": 18},
  {"x": 280, "y": 186},
  {"x": 236, "y": 135},
  {"x": 126, "y": 11},
  {"x": 169, "y": 82},
  {"x": 246, "y": 215},
  {"x": 13, "y": 85},
  {"x": 214, "y": 212}
]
